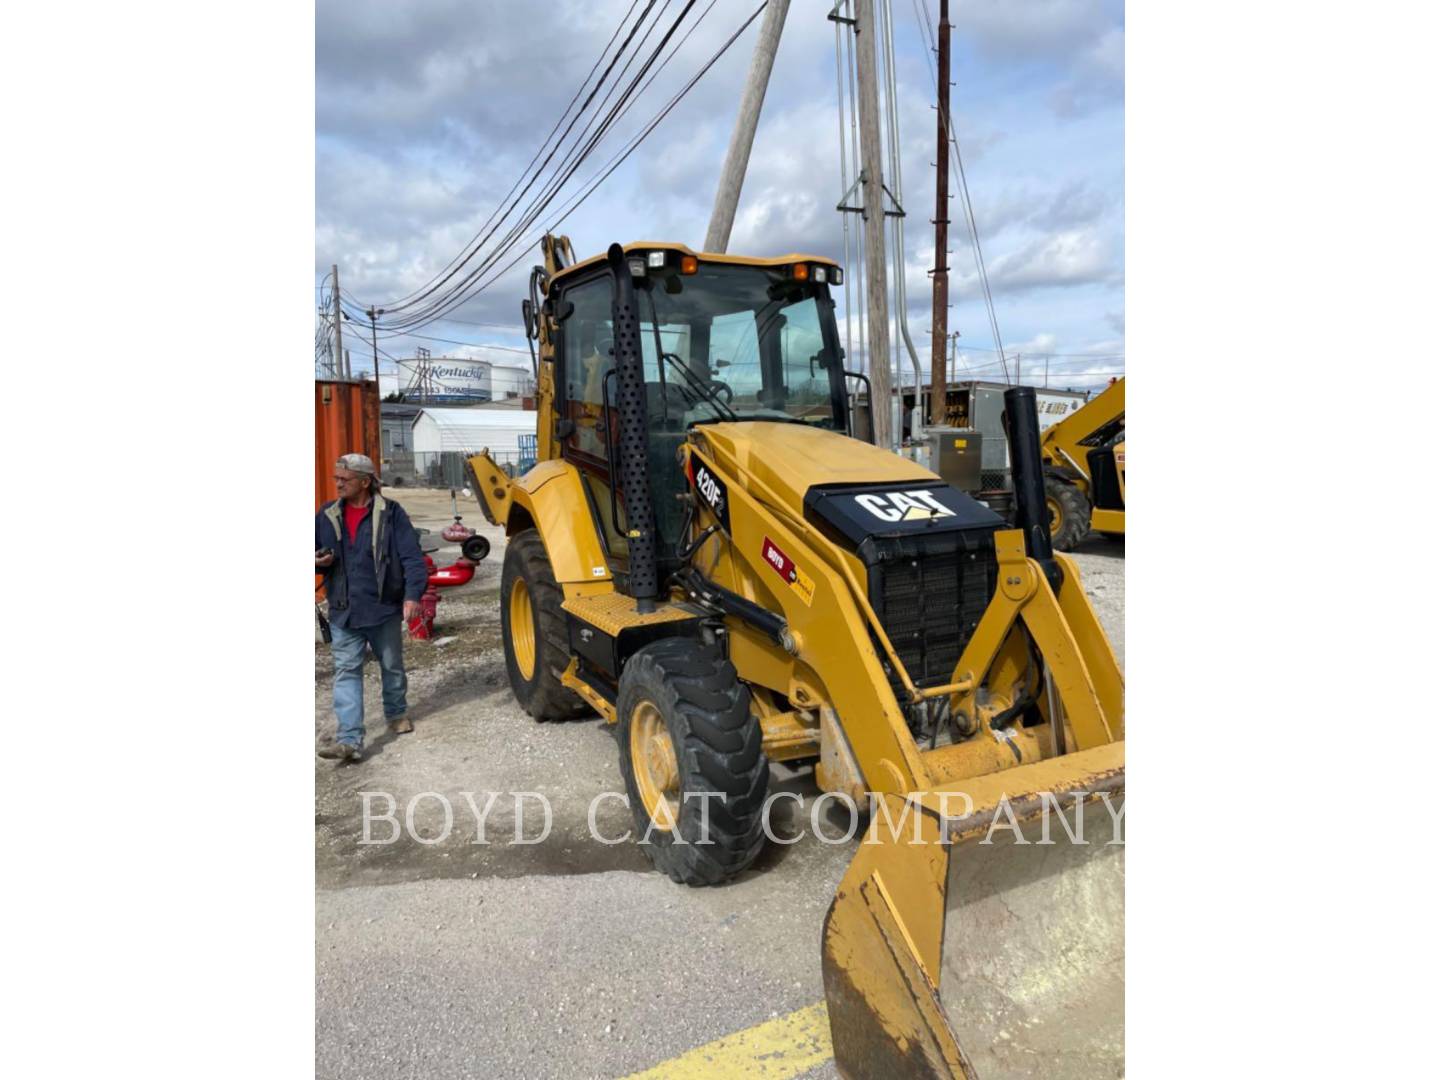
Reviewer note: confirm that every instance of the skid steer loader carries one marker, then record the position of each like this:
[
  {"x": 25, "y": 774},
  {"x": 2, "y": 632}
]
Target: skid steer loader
[
  {"x": 1084, "y": 458},
  {"x": 703, "y": 555}
]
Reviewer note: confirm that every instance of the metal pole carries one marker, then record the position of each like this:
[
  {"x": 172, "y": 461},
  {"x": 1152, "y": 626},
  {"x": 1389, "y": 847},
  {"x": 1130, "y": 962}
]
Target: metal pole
[
  {"x": 873, "y": 174},
  {"x": 859, "y": 308},
  {"x": 897, "y": 185},
  {"x": 954, "y": 369},
  {"x": 342, "y": 364},
  {"x": 732, "y": 175},
  {"x": 374, "y": 346},
  {"x": 844, "y": 191},
  {"x": 940, "y": 287}
]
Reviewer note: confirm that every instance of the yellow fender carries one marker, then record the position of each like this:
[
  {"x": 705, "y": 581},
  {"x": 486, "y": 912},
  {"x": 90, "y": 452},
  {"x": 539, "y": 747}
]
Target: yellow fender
[{"x": 551, "y": 498}]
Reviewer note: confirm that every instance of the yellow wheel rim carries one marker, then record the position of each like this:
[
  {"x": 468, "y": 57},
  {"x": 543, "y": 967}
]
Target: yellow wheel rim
[
  {"x": 522, "y": 629},
  {"x": 1053, "y": 505},
  {"x": 657, "y": 773}
]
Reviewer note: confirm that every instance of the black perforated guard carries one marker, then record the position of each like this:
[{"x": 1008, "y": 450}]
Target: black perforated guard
[{"x": 630, "y": 404}]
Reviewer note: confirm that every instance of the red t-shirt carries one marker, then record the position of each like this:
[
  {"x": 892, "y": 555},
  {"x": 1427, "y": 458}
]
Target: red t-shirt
[{"x": 353, "y": 516}]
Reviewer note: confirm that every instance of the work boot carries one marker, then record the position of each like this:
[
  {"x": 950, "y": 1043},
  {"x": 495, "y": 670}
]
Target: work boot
[
  {"x": 343, "y": 751},
  {"x": 401, "y": 725}
]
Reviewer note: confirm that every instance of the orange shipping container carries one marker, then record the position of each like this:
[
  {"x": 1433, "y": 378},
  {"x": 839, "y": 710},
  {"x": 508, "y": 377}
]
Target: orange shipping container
[{"x": 347, "y": 421}]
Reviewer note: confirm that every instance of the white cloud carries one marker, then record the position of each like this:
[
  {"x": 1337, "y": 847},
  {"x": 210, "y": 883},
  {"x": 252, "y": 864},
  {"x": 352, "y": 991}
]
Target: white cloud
[
  {"x": 427, "y": 113},
  {"x": 1071, "y": 257}
]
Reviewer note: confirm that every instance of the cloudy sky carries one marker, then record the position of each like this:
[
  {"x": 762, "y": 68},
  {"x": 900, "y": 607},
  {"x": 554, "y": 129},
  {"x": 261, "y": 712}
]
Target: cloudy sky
[{"x": 428, "y": 111}]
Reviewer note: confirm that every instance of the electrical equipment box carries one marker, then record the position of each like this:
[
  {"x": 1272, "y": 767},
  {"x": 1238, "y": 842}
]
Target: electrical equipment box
[{"x": 955, "y": 454}]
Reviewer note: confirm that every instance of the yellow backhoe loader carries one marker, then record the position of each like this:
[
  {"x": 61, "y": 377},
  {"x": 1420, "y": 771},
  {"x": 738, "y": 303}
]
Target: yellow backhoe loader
[
  {"x": 705, "y": 556},
  {"x": 1084, "y": 458}
]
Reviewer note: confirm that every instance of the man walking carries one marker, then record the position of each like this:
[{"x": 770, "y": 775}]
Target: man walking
[{"x": 374, "y": 577}]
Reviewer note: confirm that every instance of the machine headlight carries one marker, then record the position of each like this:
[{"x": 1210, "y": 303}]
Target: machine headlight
[
  {"x": 656, "y": 260},
  {"x": 637, "y": 266}
]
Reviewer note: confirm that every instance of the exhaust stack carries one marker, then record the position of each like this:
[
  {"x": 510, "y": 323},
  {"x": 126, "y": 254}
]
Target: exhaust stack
[
  {"x": 634, "y": 438},
  {"x": 1027, "y": 473}
]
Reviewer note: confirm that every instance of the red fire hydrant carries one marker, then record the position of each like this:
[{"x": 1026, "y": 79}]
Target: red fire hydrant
[{"x": 440, "y": 577}]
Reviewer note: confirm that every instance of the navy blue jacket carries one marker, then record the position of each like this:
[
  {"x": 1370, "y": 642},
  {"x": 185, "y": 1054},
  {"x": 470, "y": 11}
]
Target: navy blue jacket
[{"x": 380, "y": 568}]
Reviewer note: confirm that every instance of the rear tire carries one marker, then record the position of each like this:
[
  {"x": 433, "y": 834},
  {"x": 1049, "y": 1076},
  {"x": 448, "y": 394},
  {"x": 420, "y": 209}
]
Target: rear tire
[
  {"x": 687, "y": 691},
  {"x": 1070, "y": 513},
  {"x": 537, "y": 648}
]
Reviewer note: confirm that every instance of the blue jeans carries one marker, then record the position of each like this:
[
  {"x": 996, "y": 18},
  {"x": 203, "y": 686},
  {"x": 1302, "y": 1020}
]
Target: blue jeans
[{"x": 347, "y": 646}]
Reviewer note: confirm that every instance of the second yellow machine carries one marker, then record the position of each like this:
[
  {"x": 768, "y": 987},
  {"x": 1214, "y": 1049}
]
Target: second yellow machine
[
  {"x": 1084, "y": 458},
  {"x": 706, "y": 557}
]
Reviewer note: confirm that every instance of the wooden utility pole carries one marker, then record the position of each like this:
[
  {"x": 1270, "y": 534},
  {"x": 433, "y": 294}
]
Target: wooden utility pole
[
  {"x": 877, "y": 307},
  {"x": 342, "y": 369},
  {"x": 732, "y": 176},
  {"x": 940, "y": 289}
]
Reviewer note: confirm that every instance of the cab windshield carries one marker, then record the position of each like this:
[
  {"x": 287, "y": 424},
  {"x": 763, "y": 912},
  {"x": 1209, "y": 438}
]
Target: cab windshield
[{"x": 743, "y": 343}]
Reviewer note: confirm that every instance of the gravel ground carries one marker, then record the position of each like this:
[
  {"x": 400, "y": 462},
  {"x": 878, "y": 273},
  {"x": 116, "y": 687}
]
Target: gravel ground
[
  {"x": 567, "y": 958},
  {"x": 1102, "y": 567}
]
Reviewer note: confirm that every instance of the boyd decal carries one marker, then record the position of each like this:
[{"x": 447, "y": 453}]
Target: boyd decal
[
  {"x": 793, "y": 576},
  {"x": 892, "y": 506}
]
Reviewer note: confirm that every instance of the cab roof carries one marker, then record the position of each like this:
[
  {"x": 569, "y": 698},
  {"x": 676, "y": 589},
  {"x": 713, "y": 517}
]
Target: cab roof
[{"x": 703, "y": 256}]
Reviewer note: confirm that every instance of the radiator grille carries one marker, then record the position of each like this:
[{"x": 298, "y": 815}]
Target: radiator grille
[{"x": 929, "y": 598}]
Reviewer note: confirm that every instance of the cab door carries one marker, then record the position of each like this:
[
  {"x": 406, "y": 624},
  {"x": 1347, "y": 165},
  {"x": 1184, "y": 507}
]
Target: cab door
[{"x": 586, "y": 399}]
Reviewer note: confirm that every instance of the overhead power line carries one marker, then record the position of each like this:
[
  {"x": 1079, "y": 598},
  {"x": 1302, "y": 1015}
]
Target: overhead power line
[
  {"x": 589, "y": 137},
  {"x": 476, "y": 280},
  {"x": 619, "y": 158},
  {"x": 491, "y": 223}
]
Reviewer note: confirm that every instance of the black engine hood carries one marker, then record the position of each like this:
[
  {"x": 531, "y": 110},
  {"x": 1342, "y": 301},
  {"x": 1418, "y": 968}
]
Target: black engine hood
[{"x": 856, "y": 512}]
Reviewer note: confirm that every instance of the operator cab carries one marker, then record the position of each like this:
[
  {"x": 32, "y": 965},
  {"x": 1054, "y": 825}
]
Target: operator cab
[{"x": 721, "y": 341}]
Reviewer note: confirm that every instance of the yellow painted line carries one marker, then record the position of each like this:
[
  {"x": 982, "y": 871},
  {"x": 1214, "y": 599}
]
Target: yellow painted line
[{"x": 775, "y": 1050}]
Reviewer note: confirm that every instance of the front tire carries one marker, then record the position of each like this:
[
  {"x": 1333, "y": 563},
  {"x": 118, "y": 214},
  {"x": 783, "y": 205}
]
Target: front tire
[
  {"x": 1069, "y": 513},
  {"x": 537, "y": 649},
  {"x": 684, "y": 729}
]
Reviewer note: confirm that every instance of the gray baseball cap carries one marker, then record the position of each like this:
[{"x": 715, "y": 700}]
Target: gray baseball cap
[{"x": 357, "y": 463}]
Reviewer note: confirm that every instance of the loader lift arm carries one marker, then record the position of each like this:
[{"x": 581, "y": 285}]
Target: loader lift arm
[
  {"x": 885, "y": 933},
  {"x": 1093, "y": 424}
]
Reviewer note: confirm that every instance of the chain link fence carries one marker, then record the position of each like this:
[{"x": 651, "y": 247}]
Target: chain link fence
[
  {"x": 446, "y": 468},
  {"x": 995, "y": 480}
]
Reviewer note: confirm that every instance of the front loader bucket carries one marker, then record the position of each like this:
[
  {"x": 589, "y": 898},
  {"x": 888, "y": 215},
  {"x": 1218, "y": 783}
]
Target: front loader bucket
[
  {"x": 1033, "y": 973},
  {"x": 954, "y": 949}
]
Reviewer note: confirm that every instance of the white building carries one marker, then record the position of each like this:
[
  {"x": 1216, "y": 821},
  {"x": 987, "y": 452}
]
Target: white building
[{"x": 472, "y": 430}]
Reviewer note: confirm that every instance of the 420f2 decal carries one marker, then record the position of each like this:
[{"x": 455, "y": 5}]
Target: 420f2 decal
[{"x": 712, "y": 490}]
